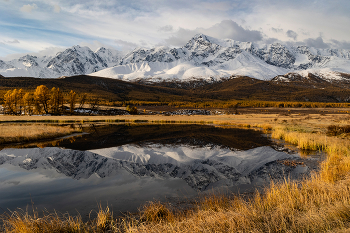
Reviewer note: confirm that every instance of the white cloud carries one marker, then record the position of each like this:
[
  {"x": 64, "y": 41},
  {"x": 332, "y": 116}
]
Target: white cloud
[
  {"x": 307, "y": 21},
  {"x": 317, "y": 43},
  {"x": 217, "y": 6},
  {"x": 277, "y": 30},
  {"x": 172, "y": 22},
  {"x": 38, "y": 49},
  {"x": 29, "y": 8},
  {"x": 227, "y": 29},
  {"x": 166, "y": 28},
  {"x": 56, "y": 8},
  {"x": 94, "y": 45},
  {"x": 292, "y": 34},
  {"x": 341, "y": 44},
  {"x": 11, "y": 42},
  {"x": 126, "y": 45}
]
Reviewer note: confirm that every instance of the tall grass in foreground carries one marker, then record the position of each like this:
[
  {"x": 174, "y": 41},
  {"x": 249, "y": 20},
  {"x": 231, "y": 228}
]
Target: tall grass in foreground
[
  {"x": 310, "y": 206},
  {"x": 13, "y": 133},
  {"x": 337, "y": 164},
  {"x": 318, "y": 204},
  {"x": 23, "y": 222}
]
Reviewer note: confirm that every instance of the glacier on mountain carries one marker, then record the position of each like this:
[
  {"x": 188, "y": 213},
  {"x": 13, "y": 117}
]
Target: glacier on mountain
[{"x": 202, "y": 57}]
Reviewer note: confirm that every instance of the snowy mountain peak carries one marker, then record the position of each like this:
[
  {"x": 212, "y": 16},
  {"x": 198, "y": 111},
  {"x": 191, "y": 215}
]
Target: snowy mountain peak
[
  {"x": 200, "y": 45},
  {"x": 5, "y": 66},
  {"x": 109, "y": 56},
  {"x": 76, "y": 60},
  {"x": 202, "y": 57},
  {"x": 198, "y": 39},
  {"x": 278, "y": 55},
  {"x": 29, "y": 61}
]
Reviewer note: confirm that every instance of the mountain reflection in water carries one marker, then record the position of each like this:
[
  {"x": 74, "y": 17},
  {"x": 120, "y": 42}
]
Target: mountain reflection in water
[{"x": 113, "y": 161}]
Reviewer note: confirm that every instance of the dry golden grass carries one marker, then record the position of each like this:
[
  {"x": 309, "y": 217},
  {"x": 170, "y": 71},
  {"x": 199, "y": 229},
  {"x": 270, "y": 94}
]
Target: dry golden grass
[
  {"x": 156, "y": 212},
  {"x": 318, "y": 204},
  {"x": 16, "y": 133},
  {"x": 23, "y": 222},
  {"x": 337, "y": 164}
]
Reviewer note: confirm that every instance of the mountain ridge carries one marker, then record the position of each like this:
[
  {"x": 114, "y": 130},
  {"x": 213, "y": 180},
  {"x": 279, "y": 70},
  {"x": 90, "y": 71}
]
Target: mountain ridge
[{"x": 201, "y": 58}]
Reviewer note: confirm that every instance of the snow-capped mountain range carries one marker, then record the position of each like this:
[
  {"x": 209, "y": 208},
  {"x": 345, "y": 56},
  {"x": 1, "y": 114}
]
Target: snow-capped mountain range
[
  {"x": 203, "y": 57},
  {"x": 72, "y": 61}
]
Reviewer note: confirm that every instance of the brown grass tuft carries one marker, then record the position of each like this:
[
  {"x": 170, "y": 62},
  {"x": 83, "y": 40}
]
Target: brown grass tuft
[
  {"x": 23, "y": 222},
  {"x": 156, "y": 212}
]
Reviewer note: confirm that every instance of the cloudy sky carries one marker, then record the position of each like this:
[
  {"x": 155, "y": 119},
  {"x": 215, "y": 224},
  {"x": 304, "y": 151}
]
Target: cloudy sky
[{"x": 48, "y": 26}]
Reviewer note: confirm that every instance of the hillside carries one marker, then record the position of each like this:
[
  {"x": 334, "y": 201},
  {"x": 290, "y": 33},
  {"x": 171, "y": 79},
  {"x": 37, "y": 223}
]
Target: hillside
[{"x": 239, "y": 88}]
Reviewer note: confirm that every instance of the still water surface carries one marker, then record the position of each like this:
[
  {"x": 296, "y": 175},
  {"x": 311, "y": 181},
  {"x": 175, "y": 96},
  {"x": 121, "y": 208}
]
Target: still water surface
[{"x": 126, "y": 165}]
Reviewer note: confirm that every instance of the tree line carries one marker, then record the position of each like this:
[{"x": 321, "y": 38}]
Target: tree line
[
  {"x": 234, "y": 104},
  {"x": 42, "y": 101}
]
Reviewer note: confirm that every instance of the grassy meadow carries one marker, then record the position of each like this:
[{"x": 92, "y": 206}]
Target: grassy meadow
[
  {"x": 22, "y": 133},
  {"x": 320, "y": 203}
]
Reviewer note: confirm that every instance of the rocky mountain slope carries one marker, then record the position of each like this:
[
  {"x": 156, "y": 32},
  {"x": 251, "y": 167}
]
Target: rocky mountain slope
[
  {"x": 72, "y": 61},
  {"x": 202, "y": 57}
]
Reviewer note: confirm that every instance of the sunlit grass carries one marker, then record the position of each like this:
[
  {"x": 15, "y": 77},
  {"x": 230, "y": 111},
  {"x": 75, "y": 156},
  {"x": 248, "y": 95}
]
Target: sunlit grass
[
  {"x": 34, "y": 222},
  {"x": 16, "y": 133}
]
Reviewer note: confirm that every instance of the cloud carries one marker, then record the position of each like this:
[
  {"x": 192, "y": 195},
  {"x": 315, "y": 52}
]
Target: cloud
[
  {"x": 277, "y": 30},
  {"x": 170, "y": 22},
  {"x": 292, "y": 34},
  {"x": 56, "y": 8},
  {"x": 217, "y": 6},
  {"x": 227, "y": 29},
  {"x": 166, "y": 28},
  {"x": 125, "y": 44},
  {"x": 94, "y": 45},
  {"x": 29, "y": 8},
  {"x": 341, "y": 44},
  {"x": 28, "y": 47},
  {"x": 11, "y": 42},
  {"x": 317, "y": 43},
  {"x": 143, "y": 43},
  {"x": 271, "y": 40}
]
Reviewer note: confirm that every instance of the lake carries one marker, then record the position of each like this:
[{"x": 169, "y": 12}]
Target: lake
[{"x": 126, "y": 165}]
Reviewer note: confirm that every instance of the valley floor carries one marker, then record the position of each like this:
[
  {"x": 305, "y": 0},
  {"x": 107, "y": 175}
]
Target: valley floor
[{"x": 318, "y": 204}]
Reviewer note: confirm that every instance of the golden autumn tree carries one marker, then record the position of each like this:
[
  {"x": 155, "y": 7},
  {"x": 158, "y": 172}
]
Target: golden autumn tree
[
  {"x": 56, "y": 101},
  {"x": 13, "y": 101},
  {"x": 72, "y": 100},
  {"x": 42, "y": 97},
  {"x": 20, "y": 104},
  {"x": 28, "y": 103},
  {"x": 9, "y": 107}
]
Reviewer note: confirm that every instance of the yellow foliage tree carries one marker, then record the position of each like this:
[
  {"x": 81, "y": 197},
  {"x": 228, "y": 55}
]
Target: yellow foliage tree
[
  {"x": 42, "y": 97},
  {"x": 27, "y": 102},
  {"x": 72, "y": 100},
  {"x": 13, "y": 102},
  {"x": 56, "y": 101},
  {"x": 19, "y": 101},
  {"x": 8, "y": 103}
]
